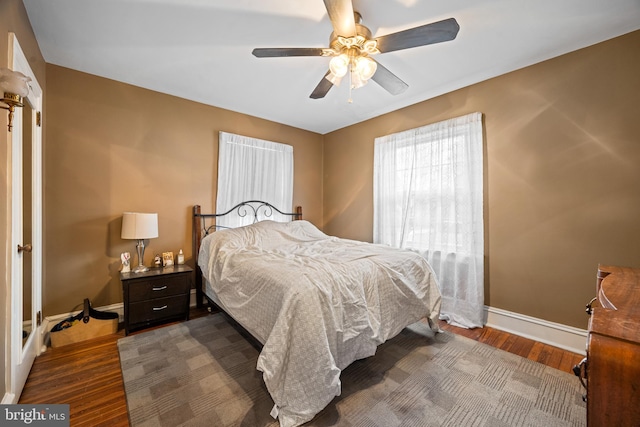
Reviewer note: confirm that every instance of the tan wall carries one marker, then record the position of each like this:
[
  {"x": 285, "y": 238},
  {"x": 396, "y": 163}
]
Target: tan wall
[
  {"x": 113, "y": 148},
  {"x": 13, "y": 18},
  {"x": 561, "y": 180}
]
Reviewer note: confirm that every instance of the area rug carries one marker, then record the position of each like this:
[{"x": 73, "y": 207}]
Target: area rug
[{"x": 202, "y": 373}]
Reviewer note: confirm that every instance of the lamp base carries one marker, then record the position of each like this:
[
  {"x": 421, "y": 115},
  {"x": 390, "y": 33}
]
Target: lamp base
[{"x": 140, "y": 269}]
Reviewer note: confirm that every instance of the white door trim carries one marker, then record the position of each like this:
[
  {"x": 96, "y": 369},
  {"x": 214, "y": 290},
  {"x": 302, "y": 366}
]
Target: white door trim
[{"x": 20, "y": 357}]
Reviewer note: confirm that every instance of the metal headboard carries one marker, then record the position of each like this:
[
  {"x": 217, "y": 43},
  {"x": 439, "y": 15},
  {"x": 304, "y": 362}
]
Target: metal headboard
[{"x": 250, "y": 208}]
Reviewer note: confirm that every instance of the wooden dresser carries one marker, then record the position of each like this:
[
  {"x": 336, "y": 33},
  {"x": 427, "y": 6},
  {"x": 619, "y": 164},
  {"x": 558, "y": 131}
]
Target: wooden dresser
[{"x": 612, "y": 368}]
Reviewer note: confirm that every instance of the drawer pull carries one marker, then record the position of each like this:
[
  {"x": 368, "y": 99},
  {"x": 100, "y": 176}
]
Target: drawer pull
[
  {"x": 161, "y": 288},
  {"x": 159, "y": 308}
]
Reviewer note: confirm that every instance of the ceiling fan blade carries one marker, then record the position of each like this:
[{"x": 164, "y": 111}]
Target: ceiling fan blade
[
  {"x": 435, "y": 32},
  {"x": 322, "y": 89},
  {"x": 268, "y": 52},
  {"x": 389, "y": 81},
  {"x": 341, "y": 16}
]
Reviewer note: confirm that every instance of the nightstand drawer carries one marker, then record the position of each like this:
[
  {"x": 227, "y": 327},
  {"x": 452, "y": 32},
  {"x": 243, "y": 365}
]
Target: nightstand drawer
[
  {"x": 158, "y": 288},
  {"x": 157, "y": 309}
]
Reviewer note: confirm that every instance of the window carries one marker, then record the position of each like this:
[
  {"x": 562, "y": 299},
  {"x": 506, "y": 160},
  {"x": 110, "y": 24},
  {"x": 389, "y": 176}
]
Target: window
[
  {"x": 428, "y": 194},
  {"x": 253, "y": 169}
]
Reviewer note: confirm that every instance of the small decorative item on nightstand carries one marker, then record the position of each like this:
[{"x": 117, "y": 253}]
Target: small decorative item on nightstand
[
  {"x": 180, "y": 257},
  {"x": 157, "y": 260},
  {"x": 125, "y": 257},
  {"x": 167, "y": 258}
]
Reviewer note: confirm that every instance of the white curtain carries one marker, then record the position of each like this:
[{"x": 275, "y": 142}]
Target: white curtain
[
  {"x": 253, "y": 169},
  {"x": 428, "y": 193}
]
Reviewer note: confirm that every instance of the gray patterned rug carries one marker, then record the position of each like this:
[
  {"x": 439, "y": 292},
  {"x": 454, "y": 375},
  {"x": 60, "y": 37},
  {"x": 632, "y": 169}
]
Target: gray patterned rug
[{"x": 202, "y": 372}]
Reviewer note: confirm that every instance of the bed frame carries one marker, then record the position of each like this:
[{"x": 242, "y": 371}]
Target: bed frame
[{"x": 251, "y": 209}]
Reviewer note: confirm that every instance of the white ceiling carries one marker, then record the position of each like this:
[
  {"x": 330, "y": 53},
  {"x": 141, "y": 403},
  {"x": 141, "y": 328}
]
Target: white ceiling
[{"x": 201, "y": 49}]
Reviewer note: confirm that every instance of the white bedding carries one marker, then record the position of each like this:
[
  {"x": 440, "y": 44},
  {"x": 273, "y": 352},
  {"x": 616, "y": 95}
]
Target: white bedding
[{"x": 316, "y": 302}]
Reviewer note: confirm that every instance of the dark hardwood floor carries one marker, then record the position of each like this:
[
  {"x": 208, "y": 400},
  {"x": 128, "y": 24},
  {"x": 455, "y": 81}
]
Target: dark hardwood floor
[{"x": 87, "y": 375}]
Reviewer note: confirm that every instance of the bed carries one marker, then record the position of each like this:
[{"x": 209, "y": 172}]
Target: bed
[{"x": 314, "y": 302}]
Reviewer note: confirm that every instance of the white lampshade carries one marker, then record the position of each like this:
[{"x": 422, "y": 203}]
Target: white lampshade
[{"x": 137, "y": 225}]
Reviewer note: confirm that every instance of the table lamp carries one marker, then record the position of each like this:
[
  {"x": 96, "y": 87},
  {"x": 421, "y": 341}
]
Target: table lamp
[{"x": 139, "y": 226}]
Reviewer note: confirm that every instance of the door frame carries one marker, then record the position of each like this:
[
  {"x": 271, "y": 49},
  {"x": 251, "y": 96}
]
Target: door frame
[{"x": 19, "y": 357}]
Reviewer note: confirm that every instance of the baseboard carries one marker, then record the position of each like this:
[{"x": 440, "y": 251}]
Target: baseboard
[
  {"x": 555, "y": 334},
  {"x": 9, "y": 399}
]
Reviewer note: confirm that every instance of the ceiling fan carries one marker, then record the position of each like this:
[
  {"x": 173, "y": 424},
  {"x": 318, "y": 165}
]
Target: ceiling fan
[{"x": 351, "y": 47}]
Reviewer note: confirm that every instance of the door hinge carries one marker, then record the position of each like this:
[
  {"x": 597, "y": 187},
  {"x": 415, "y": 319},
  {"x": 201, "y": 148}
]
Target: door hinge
[
  {"x": 38, "y": 318},
  {"x": 38, "y": 118}
]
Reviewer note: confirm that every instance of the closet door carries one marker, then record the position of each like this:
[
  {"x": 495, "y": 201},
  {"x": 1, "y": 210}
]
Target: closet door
[{"x": 25, "y": 315}]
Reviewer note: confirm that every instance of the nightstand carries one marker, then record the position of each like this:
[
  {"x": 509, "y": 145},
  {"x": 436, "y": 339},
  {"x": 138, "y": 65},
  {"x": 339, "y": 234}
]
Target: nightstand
[{"x": 156, "y": 296}]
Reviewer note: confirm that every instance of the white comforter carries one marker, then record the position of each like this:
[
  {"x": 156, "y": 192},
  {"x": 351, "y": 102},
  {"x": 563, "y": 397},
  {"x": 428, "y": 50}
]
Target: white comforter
[{"x": 316, "y": 302}]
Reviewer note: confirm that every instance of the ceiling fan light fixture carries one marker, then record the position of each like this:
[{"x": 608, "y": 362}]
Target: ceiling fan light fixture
[
  {"x": 339, "y": 65},
  {"x": 365, "y": 67},
  {"x": 351, "y": 46}
]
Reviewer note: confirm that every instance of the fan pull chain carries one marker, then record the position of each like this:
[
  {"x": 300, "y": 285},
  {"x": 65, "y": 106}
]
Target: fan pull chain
[{"x": 350, "y": 100}]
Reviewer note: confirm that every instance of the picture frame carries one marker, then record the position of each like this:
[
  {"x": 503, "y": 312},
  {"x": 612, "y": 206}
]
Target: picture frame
[{"x": 167, "y": 258}]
